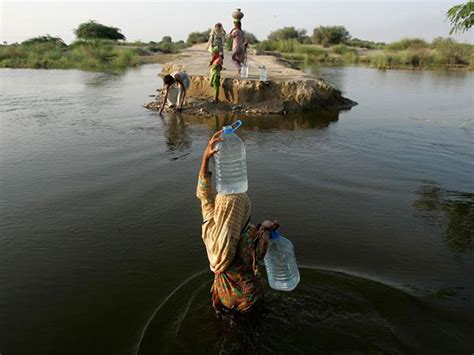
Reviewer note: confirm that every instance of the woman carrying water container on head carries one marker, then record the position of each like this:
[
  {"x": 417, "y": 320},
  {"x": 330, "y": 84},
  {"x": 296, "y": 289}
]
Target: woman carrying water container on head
[
  {"x": 175, "y": 85},
  {"x": 234, "y": 246},
  {"x": 239, "y": 45}
]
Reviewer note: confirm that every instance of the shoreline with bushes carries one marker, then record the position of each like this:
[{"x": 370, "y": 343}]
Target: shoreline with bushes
[
  {"x": 46, "y": 52},
  {"x": 103, "y": 48},
  {"x": 414, "y": 54}
]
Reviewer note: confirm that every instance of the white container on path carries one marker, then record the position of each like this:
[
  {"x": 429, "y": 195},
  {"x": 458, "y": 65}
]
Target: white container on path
[
  {"x": 231, "y": 162},
  {"x": 263, "y": 73},
  {"x": 244, "y": 71}
]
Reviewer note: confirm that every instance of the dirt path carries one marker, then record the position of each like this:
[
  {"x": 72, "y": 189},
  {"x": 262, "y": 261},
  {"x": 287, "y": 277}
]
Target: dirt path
[{"x": 195, "y": 61}]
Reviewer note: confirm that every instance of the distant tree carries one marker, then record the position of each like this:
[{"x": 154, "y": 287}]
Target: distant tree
[
  {"x": 198, "y": 37},
  {"x": 330, "y": 35},
  {"x": 286, "y": 33},
  {"x": 44, "y": 39},
  {"x": 250, "y": 37},
  {"x": 167, "y": 39},
  {"x": 94, "y": 30},
  {"x": 461, "y": 17}
]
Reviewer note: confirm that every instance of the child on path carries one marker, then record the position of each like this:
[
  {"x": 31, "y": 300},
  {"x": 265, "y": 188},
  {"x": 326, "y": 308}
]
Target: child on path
[{"x": 216, "y": 65}]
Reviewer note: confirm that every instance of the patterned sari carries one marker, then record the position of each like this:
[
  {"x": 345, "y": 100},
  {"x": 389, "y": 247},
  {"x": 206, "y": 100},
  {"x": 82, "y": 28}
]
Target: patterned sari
[{"x": 233, "y": 247}]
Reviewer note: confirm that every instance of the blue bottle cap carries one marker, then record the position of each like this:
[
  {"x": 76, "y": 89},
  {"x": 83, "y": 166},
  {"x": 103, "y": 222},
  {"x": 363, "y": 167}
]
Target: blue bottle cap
[
  {"x": 233, "y": 127},
  {"x": 274, "y": 234}
]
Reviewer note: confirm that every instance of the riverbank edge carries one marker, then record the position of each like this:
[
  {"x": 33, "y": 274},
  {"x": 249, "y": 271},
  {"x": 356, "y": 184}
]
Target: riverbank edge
[{"x": 297, "y": 61}]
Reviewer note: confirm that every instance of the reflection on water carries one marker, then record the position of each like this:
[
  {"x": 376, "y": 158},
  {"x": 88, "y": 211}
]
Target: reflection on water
[
  {"x": 290, "y": 122},
  {"x": 100, "y": 79},
  {"x": 178, "y": 139},
  {"x": 174, "y": 127},
  {"x": 328, "y": 312},
  {"x": 451, "y": 210},
  {"x": 337, "y": 76}
]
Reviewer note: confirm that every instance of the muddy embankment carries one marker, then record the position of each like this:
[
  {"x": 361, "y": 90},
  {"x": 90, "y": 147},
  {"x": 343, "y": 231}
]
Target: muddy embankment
[{"x": 282, "y": 95}]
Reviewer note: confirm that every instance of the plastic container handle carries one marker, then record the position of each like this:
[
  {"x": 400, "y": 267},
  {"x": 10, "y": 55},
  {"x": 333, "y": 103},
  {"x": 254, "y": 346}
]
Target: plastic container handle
[{"x": 233, "y": 127}]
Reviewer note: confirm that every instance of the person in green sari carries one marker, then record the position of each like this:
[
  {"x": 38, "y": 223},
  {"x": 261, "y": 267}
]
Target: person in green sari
[{"x": 216, "y": 65}]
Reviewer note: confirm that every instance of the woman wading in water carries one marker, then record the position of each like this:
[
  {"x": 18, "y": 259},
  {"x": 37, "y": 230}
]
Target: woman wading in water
[{"x": 234, "y": 246}]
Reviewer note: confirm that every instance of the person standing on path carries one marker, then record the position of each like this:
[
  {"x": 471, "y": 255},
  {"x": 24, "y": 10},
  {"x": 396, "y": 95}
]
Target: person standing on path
[
  {"x": 217, "y": 39},
  {"x": 239, "y": 46},
  {"x": 216, "y": 66}
]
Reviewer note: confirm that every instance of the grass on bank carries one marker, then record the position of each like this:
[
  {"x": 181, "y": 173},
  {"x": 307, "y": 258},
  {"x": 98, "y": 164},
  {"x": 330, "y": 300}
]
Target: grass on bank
[
  {"x": 47, "y": 52},
  {"x": 404, "y": 54}
]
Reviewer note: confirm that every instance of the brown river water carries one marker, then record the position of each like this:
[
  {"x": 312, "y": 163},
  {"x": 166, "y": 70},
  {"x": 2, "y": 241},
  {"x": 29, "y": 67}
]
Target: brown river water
[{"x": 100, "y": 228}]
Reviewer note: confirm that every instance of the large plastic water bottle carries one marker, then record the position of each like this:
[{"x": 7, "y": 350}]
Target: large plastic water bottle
[
  {"x": 280, "y": 262},
  {"x": 244, "y": 71},
  {"x": 263, "y": 73},
  {"x": 231, "y": 164}
]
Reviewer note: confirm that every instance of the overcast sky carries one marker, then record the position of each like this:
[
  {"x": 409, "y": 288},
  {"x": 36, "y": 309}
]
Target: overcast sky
[{"x": 151, "y": 20}]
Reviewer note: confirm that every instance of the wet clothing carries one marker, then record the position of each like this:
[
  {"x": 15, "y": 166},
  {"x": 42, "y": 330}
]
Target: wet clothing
[
  {"x": 233, "y": 247},
  {"x": 238, "y": 47}
]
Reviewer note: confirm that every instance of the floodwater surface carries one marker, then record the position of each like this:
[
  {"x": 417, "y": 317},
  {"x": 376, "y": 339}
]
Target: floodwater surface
[{"x": 100, "y": 229}]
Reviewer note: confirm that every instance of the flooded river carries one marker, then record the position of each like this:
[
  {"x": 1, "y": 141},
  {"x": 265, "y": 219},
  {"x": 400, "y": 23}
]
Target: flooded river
[{"x": 100, "y": 228}]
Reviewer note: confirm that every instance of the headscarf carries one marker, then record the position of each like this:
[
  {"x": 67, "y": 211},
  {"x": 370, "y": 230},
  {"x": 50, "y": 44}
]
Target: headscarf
[{"x": 221, "y": 233}]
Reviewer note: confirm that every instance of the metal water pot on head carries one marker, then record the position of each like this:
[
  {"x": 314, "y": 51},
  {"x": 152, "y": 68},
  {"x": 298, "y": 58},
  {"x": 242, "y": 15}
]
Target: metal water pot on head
[{"x": 237, "y": 15}]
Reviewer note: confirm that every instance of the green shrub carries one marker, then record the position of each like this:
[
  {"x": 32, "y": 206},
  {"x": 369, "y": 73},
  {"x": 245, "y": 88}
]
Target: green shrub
[
  {"x": 330, "y": 35},
  {"x": 228, "y": 44},
  {"x": 251, "y": 38},
  {"x": 450, "y": 52},
  {"x": 407, "y": 43},
  {"x": 198, "y": 37},
  {"x": 167, "y": 47},
  {"x": 55, "y": 41},
  {"x": 9, "y": 52},
  {"x": 342, "y": 49},
  {"x": 313, "y": 51},
  {"x": 355, "y": 42},
  {"x": 94, "y": 30},
  {"x": 287, "y": 33}
]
